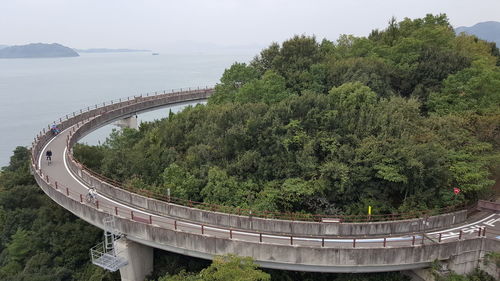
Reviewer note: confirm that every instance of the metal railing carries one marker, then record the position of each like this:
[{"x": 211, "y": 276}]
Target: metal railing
[
  {"x": 120, "y": 103},
  {"x": 106, "y": 259},
  {"x": 137, "y": 216}
]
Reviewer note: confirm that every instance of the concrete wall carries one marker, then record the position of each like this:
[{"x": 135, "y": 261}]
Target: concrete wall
[
  {"x": 305, "y": 258},
  {"x": 272, "y": 225},
  {"x": 467, "y": 258},
  {"x": 488, "y": 206}
]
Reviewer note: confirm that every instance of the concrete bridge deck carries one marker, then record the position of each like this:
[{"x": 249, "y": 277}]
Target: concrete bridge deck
[{"x": 305, "y": 246}]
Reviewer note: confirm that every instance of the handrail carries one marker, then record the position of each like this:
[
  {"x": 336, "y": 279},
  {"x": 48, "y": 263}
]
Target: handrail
[
  {"x": 266, "y": 237},
  {"x": 227, "y": 209}
]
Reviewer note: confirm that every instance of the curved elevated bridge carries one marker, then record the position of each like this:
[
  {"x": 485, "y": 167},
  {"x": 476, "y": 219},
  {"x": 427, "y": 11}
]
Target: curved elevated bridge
[{"x": 328, "y": 245}]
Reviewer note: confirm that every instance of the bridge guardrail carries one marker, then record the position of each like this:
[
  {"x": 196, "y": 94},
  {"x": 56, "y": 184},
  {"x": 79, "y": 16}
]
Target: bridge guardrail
[
  {"x": 240, "y": 217},
  {"x": 264, "y": 237}
]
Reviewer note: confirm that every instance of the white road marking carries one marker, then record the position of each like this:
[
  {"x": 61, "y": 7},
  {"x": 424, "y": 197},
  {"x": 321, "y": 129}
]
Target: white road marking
[{"x": 463, "y": 226}]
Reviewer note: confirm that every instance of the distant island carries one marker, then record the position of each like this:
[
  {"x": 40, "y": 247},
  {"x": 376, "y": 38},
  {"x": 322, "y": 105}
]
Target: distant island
[
  {"x": 488, "y": 30},
  {"x": 37, "y": 50},
  {"x": 104, "y": 50}
]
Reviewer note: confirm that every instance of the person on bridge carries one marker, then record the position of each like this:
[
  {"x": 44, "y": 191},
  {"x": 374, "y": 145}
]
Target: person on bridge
[
  {"x": 92, "y": 195},
  {"x": 48, "y": 154},
  {"x": 54, "y": 129}
]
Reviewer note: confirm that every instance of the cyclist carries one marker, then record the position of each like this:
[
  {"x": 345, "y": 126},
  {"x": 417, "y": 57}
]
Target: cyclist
[
  {"x": 92, "y": 195},
  {"x": 48, "y": 154},
  {"x": 54, "y": 129}
]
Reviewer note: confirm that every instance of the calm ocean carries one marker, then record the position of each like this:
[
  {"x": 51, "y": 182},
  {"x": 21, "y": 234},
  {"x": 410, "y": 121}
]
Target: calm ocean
[{"x": 35, "y": 92}]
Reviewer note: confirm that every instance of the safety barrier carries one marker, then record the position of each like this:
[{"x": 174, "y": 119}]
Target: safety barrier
[
  {"x": 290, "y": 223},
  {"x": 263, "y": 237}
]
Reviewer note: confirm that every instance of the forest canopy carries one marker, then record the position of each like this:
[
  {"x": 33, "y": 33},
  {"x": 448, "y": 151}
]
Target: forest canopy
[{"x": 394, "y": 120}]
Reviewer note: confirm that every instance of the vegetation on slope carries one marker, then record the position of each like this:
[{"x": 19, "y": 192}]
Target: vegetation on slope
[
  {"x": 394, "y": 120},
  {"x": 38, "y": 239}
]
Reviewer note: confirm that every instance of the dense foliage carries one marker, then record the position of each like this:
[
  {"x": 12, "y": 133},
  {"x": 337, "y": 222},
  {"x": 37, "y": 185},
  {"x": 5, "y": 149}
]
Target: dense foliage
[
  {"x": 394, "y": 120},
  {"x": 38, "y": 239}
]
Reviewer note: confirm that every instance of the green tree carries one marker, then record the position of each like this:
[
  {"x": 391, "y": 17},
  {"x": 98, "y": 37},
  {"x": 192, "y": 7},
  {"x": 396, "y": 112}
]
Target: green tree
[{"x": 225, "y": 268}]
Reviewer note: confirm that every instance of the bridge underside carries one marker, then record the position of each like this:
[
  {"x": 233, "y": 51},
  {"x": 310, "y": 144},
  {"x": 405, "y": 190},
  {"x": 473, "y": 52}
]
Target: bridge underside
[{"x": 333, "y": 268}]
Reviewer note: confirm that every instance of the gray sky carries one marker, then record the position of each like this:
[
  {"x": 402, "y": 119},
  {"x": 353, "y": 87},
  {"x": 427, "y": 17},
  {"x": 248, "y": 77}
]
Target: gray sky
[{"x": 158, "y": 24}]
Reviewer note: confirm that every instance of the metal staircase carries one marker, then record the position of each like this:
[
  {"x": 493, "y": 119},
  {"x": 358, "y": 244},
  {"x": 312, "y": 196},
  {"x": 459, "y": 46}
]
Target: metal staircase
[{"x": 104, "y": 254}]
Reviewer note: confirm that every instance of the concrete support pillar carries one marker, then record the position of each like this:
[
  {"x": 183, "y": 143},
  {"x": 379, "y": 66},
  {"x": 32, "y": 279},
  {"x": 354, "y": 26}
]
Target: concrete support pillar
[
  {"x": 139, "y": 257},
  {"x": 129, "y": 122}
]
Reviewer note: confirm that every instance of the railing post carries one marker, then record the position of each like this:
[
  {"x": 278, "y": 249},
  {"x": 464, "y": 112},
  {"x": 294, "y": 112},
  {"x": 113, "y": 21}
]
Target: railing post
[
  {"x": 81, "y": 198},
  {"x": 230, "y": 233},
  {"x": 291, "y": 240},
  {"x": 440, "y": 234},
  {"x": 202, "y": 230},
  {"x": 97, "y": 204},
  {"x": 116, "y": 211},
  {"x": 354, "y": 242},
  {"x": 260, "y": 237},
  {"x": 132, "y": 214},
  {"x": 413, "y": 241},
  {"x": 47, "y": 178},
  {"x": 175, "y": 225},
  {"x": 67, "y": 191},
  {"x": 385, "y": 241},
  {"x": 460, "y": 235},
  {"x": 322, "y": 241},
  {"x": 55, "y": 184},
  {"x": 150, "y": 219}
]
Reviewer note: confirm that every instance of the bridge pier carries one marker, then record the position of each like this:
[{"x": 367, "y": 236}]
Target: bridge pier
[
  {"x": 129, "y": 122},
  {"x": 139, "y": 257}
]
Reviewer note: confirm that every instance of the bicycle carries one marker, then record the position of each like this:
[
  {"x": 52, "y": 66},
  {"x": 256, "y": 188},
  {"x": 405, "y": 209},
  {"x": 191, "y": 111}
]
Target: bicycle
[{"x": 90, "y": 198}]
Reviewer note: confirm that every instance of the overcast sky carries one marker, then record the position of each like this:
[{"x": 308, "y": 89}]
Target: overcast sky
[{"x": 158, "y": 24}]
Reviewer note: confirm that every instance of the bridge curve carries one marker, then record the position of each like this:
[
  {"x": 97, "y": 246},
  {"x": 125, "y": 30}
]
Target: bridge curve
[{"x": 273, "y": 243}]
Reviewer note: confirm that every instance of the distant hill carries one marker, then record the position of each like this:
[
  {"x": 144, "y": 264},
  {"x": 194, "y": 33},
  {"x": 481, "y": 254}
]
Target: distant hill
[
  {"x": 488, "y": 30},
  {"x": 37, "y": 50},
  {"x": 3, "y": 46},
  {"x": 104, "y": 50}
]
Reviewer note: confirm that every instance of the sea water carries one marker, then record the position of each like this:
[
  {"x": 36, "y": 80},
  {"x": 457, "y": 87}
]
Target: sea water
[{"x": 36, "y": 92}]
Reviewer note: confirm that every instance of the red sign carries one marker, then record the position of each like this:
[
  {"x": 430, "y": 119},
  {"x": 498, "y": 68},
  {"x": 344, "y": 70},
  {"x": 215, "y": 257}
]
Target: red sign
[{"x": 456, "y": 190}]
